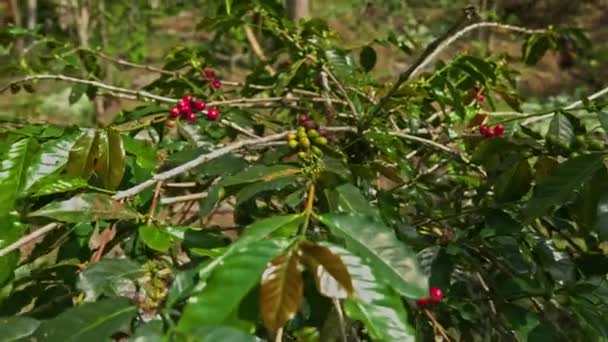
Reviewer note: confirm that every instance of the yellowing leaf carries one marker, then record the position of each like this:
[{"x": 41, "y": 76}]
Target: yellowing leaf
[{"x": 330, "y": 275}]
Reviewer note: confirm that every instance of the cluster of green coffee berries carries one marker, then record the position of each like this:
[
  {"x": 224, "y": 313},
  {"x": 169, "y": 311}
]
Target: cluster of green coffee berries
[{"x": 307, "y": 139}]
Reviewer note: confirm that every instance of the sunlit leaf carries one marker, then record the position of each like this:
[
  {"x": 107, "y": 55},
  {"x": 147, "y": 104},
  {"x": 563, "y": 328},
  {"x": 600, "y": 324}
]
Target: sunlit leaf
[
  {"x": 51, "y": 158},
  {"x": 87, "y": 207},
  {"x": 11, "y": 230},
  {"x": 329, "y": 273},
  {"x": 393, "y": 260},
  {"x": 281, "y": 290},
  {"x": 58, "y": 185},
  {"x": 375, "y": 303},
  {"x": 82, "y": 155},
  {"x": 13, "y": 170},
  {"x": 111, "y": 163}
]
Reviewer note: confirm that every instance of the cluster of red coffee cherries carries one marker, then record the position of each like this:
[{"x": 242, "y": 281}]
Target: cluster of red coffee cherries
[
  {"x": 490, "y": 132},
  {"x": 210, "y": 74},
  {"x": 187, "y": 107},
  {"x": 435, "y": 296}
]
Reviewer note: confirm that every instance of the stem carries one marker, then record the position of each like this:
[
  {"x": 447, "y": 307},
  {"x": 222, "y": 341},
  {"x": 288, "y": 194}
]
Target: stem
[
  {"x": 159, "y": 186},
  {"x": 28, "y": 238},
  {"x": 309, "y": 208},
  {"x": 437, "y": 325}
]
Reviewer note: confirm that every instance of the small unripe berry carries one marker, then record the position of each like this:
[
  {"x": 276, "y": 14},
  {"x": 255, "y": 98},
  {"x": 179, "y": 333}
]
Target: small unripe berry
[
  {"x": 213, "y": 113},
  {"x": 174, "y": 112},
  {"x": 199, "y": 105},
  {"x": 305, "y": 142},
  {"x": 191, "y": 117},
  {"x": 499, "y": 129},
  {"x": 302, "y": 155},
  {"x": 436, "y": 294},
  {"x": 292, "y": 136},
  {"x": 293, "y": 144},
  {"x": 170, "y": 123},
  {"x": 316, "y": 150},
  {"x": 321, "y": 141},
  {"x": 312, "y": 133},
  {"x": 209, "y": 72},
  {"x": 303, "y": 119},
  {"x": 301, "y": 131}
]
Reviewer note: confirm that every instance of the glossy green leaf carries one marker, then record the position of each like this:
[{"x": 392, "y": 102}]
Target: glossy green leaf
[
  {"x": 252, "y": 233},
  {"x": 111, "y": 163},
  {"x": 222, "y": 333},
  {"x": 144, "y": 152},
  {"x": 375, "y": 303},
  {"x": 281, "y": 290},
  {"x": 17, "y": 327},
  {"x": 561, "y": 131},
  {"x": 13, "y": 170},
  {"x": 348, "y": 198},
  {"x": 514, "y": 182},
  {"x": 367, "y": 58},
  {"x": 254, "y": 189},
  {"x": 87, "y": 207},
  {"x": 88, "y": 322},
  {"x": 535, "y": 48},
  {"x": 160, "y": 238},
  {"x": 209, "y": 202},
  {"x": 107, "y": 277},
  {"x": 53, "y": 185},
  {"x": 229, "y": 283},
  {"x": 82, "y": 155},
  {"x": 10, "y": 231},
  {"x": 51, "y": 158},
  {"x": 394, "y": 261},
  {"x": 258, "y": 173},
  {"x": 557, "y": 187}
]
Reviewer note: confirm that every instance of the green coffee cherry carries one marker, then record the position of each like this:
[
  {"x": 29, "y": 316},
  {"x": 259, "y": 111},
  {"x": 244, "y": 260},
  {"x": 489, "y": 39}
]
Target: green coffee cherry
[
  {"x": 312, "y": 133},
  {"x": 305, "y": 142},
  {"x": 302, "y": 155},
  {"x": 317, "y": 151},
  {"x": 292, "y": 136},
  {"x": 322, "y": 141},
  {"x": 301, "y": 130},
  {"x": 293, "y": 144}
]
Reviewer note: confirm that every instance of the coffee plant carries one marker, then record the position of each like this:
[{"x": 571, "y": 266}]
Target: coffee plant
[{"x": 358, "y": 210}]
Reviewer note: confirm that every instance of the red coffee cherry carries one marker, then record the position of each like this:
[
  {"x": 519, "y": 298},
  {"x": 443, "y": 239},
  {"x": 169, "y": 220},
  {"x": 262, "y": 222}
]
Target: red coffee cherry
[
  {"x": 484, "y": 130},
  {"x": 213, "y": 113},
  {"x": 436, "y": 294},
  {"x": 187, "y": 99},
  {"x": 215, "y": 83},
  {"x": 209, "y": 72},
  {"x": 310, "y": 125},
  {"x": 303, "y": 119},
  {"x": 174, "y": 112},
  {"x": 199, "y": 105},
  {"x": 191, "y": 117},
  {"x": 480, "y": 98},
  {"x": 185, "y": 109},
  {"x": 499, "y": 129},
  {"x": 423, "y": 302}
]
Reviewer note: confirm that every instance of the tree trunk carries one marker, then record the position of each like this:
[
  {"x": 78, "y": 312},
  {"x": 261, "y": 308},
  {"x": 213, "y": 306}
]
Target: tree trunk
[
  {"x": 18, "y": 22},
  {"x": 32, "y": 6},
  {"x": 297, "y": 9}
]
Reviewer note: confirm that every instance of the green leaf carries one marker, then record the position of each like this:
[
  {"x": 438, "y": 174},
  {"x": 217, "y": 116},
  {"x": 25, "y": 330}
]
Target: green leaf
[
  {"x": 159, "y": 238},
  {"x": 229, "y": 283},
  {"x": 85, "y": 208},
  {"x": 601, "y": 224},
  {"x": 557, "y": 187},
  {"x": 561, "y": 131},
  {"x": 77, "y": 91},
  {"x": 209, "y": 202},
  {"x": 17, "y": 328},
  {"x": 281, "y": 290},
  {"x": 375, "y": 303},
  {"x": 106, "y": 277},
  {"x": 394, "y": 261},
  {"x": 603, "y": 117},
  {"x": 88, "y": 322},
  {"x": 535, "y": 48},
  {"x": 367, "y": 58},
  {"x": 110, "y": 165},
  {"x": 82, "y": 155},
  {"x": 51, "y": 158},
  {"x": 254, "y": 189},
  {"x": 144, "y": 152},
  {"x": 13, "y": 169},
  {"x": 253, "y": 233},
  {"x": 10, "y": 231},
  {"x": 515, "y": 182},
  {"x": 348, "y": 198},
  {"x": 223, "y": 333},
  {"x": 258, "y": 173},
  {"x": 57, "y": 185}
]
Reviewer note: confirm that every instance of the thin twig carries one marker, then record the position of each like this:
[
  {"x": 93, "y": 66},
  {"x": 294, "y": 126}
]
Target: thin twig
[
  {"x": 183, "y": 198},
  {"x": 341, "y": 321},
  {"x": 437, "y": 325},
  {"x": 159, "y": 186},
  {"x": 257, "y": 49},
  {"x": 181, "y": 185},
  {"x": 571, "y": 106},
  {"x": 123, "y": 62},
  {"x": 342, "y": 90},
  {"x": 28, "y": 238},
  {"x": 163, "y": 176}
]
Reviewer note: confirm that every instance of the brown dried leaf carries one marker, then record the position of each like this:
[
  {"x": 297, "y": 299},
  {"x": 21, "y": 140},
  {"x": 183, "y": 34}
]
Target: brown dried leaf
[
  {"x": 331, "y": 276},
  {"x": 281, "y": 290}
]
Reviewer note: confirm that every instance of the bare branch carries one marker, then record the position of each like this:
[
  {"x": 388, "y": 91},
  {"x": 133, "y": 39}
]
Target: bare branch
[{"x": 28, "y": 238}]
